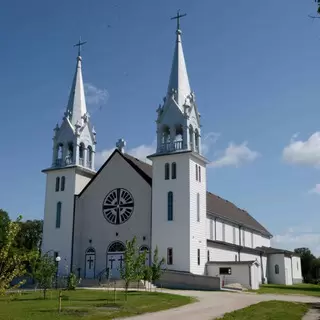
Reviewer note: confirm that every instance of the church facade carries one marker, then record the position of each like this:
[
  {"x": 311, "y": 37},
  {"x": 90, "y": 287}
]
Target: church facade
[{"x": 89, "y": 215}]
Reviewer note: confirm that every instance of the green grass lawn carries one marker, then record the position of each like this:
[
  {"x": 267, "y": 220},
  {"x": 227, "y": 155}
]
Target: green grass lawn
[
  {"x": 301, "y": 289},
  {"x": 275, "y": 310},
  {"x": 90, "y": 304}
]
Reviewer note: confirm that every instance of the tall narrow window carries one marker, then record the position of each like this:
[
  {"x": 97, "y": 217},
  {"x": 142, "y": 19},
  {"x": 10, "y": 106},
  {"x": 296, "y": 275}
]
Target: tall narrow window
[
  {"x": 252, "y": 244},
  {"x": 235, "y": 257},
  {"x": 173, "y": 170},
  {"x": 81, "y": 154},
  {"x": 199, "y": 173},
  {"x": 196, "y": 172},
  {"x": 58, "y": 215},
  {"x": 211, "y": 229},
  {"x": 223, "y": 231},
  {"x": 198, "y": 207},
  {"x": 57, "y": 183},
  {"x": 243, "y": 238},
  {"x": 234, "y": 235},
  {"x": 198, "y": 257},
  {"x": 89, "y": 158},
  {"x": 170, "y": 206},
  {"x": 208, "y": 255},
  {"x": 169, "y": 256},
  {"x": 63, "y": 183},
  {"x": 276, "y": 269},
  {"x": 167, "y": 171}
]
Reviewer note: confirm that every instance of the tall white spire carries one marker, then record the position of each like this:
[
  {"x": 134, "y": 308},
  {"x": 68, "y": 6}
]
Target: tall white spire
[
  {"x": 179, "y": 80},
  {"x": 77, "y": 108}
]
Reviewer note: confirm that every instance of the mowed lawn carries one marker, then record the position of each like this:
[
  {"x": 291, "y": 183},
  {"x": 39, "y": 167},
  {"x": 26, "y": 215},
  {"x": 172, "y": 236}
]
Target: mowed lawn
[
  {"x": 298, "y": 289},
  {"x": 89, "y": 304},
  {"x": 275, "y": 310}
]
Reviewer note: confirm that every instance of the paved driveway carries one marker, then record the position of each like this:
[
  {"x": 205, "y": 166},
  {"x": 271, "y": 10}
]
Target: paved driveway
[{"x": 215, "y": 304}]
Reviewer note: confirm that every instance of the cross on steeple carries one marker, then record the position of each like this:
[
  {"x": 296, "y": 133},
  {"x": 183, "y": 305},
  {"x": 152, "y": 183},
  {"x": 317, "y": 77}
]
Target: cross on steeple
[
  {"x": 79, "y": 44},
  {"x": 120, "y": 145},
  {"x": 177, "y": 17}
]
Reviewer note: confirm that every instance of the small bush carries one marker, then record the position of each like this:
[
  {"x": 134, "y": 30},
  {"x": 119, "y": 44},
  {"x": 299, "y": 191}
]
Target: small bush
[{"x": 72, "y": 281}]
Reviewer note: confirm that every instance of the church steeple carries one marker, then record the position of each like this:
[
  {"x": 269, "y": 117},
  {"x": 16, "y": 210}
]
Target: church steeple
[
  {"x": 77, "y": 108},
  {"x": 178, "y": 122},
  {"x": 179, "y": 81},
  {"x": 74, "y": 140}
]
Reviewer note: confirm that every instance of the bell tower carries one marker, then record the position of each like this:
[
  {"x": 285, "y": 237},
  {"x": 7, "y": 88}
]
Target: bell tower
[
  {"x": 179, "y": 173},
  {"x": 71, "y": 169}
]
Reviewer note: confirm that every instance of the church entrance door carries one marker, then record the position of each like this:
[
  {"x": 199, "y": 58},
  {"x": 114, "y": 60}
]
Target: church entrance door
[
  {"x": 115, "y": 259},
  {"x": 90, "y": 262}
]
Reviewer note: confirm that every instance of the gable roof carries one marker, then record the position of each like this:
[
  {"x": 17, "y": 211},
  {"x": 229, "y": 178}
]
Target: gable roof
[{"x": 216, "y": 205}]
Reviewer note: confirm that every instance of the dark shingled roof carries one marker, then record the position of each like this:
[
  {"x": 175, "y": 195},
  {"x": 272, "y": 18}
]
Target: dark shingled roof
[{"x": 215, "y": 205}]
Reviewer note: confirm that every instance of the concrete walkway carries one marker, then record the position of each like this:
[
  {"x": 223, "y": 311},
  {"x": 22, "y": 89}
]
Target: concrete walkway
[{"x": 215, "y": 304}]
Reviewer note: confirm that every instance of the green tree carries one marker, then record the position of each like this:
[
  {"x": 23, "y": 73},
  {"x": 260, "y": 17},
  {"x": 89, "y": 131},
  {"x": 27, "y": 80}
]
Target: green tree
[
  {"x": 44, "y": 269},
  {"x": 4, "y": 220},
  {"x": 318, "y": 2},
  {"x": 157, "y": 265},
  {"x": 30, "y": 235},
  {"x": 128, "y": 271},
  {"x": 12, "y": 262},
  {"x": 307, "y": 259}
]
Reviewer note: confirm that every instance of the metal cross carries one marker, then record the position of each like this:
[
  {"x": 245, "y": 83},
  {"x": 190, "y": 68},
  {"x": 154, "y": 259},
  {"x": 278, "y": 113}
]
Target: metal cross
[
  {"x": 79, "y": 44},
  {"x": 178, "y": 16},
  {"x": 90, "y": 260},
  {"x": 121, "y": 260},
  {"x": 120, "y": 145},
  {"x": 111, "y": 260}
]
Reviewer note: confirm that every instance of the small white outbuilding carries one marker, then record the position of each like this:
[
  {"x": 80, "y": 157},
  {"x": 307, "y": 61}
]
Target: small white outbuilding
[{"x": 245, "y": 273}]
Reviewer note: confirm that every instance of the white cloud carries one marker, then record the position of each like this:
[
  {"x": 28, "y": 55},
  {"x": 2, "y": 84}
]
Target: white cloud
[
  {"x": 208, "y": 141},
  {"x": 316, "y": 189},
  {"x": 303, "y": 152},
  {"x": 95, "y": 97},
  {"x": 297, "y": 237},
  {"x": 141, "y": 152},
  {"x": 235, "y": 155}
]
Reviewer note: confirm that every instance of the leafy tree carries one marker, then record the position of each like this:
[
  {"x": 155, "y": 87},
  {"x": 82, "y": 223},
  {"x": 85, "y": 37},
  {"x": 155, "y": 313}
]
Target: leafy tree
[
  {"x": 11, "y": 261},
  {"x": 4, "y": 220},
  {"x": 318, "y": 2},
  {"x": 157, "y": 265},
  {"x": 30, "y": 235},
  {"x": 128, "y": 272},
  {"x": 307, "y": 259},
  {"x": 147, "y": 274},
  {"x": 44, "y": 271}
]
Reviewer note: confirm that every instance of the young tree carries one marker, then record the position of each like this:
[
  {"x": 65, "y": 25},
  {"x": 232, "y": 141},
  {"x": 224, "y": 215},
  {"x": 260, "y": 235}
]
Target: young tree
[
  {"x": 156, "y": 266},
  {"x": 44, "y": 271},
  {"x": 12, "y": 261},
  {"x": 128, "y": 271}
]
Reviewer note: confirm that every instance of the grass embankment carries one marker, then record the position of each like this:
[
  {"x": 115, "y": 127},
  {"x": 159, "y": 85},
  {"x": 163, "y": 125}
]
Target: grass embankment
[
  {"x": 275, "y": 310},
  {"x": 91, "y": 304},
  {"x": 297, "y": 289}
]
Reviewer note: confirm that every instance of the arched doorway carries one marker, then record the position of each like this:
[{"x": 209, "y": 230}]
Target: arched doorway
[
  {"x": 90, "y": 263},
  {"x": 115, "y": 260},
  {"x": 146, "y": 248}
]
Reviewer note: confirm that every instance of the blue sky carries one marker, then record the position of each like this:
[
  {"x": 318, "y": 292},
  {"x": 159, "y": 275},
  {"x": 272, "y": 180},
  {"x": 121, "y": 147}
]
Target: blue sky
[{"x": 252, "y": 64}]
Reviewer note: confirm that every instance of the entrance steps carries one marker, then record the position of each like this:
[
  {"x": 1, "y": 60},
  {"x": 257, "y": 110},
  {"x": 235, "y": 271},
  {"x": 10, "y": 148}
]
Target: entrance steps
[{"x": 95, "y": 283}]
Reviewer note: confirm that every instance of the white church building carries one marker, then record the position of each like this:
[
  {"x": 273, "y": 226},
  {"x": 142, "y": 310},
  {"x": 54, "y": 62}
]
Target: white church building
[{"x": 89, "y": 215}]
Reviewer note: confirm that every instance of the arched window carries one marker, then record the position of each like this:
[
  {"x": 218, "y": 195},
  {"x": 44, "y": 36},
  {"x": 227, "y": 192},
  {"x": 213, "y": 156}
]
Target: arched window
[
  {"x": 196, "y": 172},
  {"x": 59, "y": 155},
  {"x": 196, "y": 135},
  {"x": 116, "y": 246},
  {"x": 199, "y": 173},
  {"x": 191, "y": 137},
  {"x": 81, "y": 154},
  {"x": 63, "y": 183},
  {"x": 60, "y": 151},
  {"x": 89, "y": 160},
  {"x": 69, "y": 158},
  {"x": 90, "y": 251},
  {"x": 58, "y": 215},
  {"x": 173, "y": 170},
  {"x": 170, "y": 206},
  {"x": 276, "y": 269},
  {"x": 167, "y": 171},
  {"x": 144, "y": 248},
  {"x": 57, "y": 183}
]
